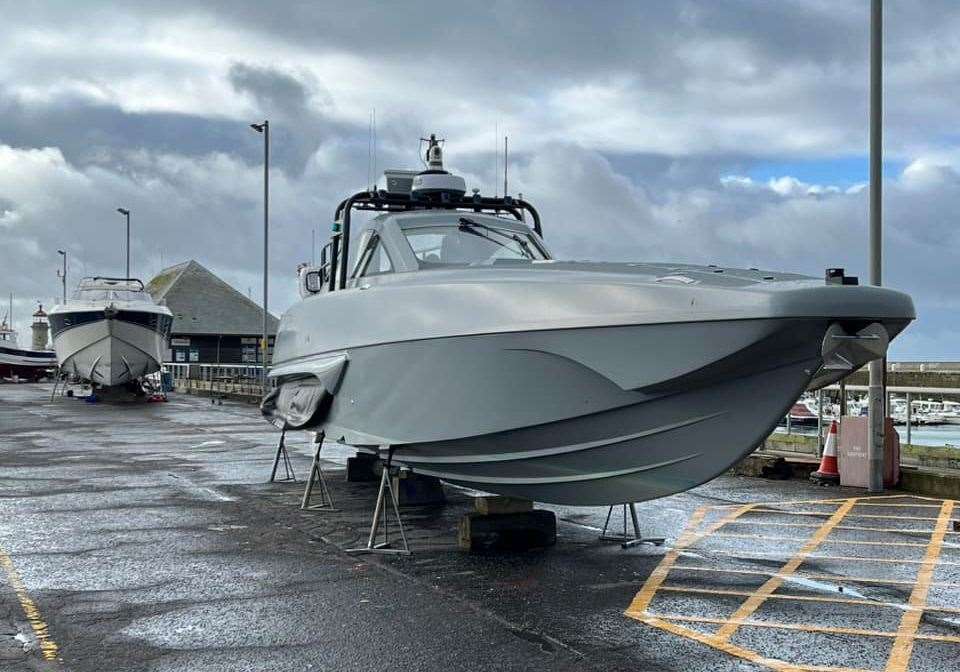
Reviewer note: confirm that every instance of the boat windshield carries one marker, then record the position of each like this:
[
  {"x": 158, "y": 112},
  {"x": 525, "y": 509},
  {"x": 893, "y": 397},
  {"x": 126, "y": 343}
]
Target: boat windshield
[
  {"x": 470, "y": 243},
  {"x": 103, "y": 294}
]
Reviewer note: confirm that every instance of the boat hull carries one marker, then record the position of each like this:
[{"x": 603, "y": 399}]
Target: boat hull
[
  {"x": 25, "y": 364},
  {"x": 109, "y": 352},
  {"x": 593, "y": 416},
  {"x": 583, "y": 384}
]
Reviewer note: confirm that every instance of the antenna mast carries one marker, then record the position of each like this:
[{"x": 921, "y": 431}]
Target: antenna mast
[{"x": 504, "y": 166}]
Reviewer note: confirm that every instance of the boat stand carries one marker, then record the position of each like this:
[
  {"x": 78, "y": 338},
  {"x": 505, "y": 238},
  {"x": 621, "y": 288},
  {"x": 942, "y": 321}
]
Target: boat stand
[
  {"x": 316, "y": 479},
  {"x": 287, "y": 465},
  {"x": 383, "y": 547},
  {"x": 59, "y": 383},
  {"x": 627, "y": 540}
]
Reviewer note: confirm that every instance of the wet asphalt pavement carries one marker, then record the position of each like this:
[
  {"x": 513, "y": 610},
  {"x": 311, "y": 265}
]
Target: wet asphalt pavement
[{"x": 145, "y": 537}]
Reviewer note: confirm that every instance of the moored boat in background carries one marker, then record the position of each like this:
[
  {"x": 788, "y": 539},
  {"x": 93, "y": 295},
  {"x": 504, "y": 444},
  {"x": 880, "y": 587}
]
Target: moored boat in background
[
  {"x": 18, "y": 363},
  {"x": 111, "y": 333}
]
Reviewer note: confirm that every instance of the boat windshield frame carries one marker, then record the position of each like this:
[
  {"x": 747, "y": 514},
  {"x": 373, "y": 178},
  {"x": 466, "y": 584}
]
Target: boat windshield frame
[
  {"x": 336, "y": 269},
  {"x": 126, "y": 290},
  {"x": 524, "y": 246}
]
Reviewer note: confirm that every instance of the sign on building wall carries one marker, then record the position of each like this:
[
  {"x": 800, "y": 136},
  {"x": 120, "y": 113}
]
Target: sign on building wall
[{"x": 180, "y": 341}]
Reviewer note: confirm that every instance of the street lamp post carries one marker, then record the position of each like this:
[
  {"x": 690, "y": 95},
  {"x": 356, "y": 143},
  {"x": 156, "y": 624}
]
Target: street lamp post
[
  {"x": 264, "y": 128},
  {"x": 126, "y": 213},
  {"x": 876, "y": 412},
  {"x": 63, "y": 274}
]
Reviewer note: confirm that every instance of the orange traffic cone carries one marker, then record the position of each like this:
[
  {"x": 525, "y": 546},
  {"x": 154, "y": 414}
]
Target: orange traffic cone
[{"x": 828, "y": 472}]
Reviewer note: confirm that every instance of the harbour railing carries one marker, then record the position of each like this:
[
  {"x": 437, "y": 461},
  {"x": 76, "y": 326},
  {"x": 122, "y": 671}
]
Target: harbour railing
[
  {"x": 240, "y": 380},
  {"x": 926, "y": 453}
]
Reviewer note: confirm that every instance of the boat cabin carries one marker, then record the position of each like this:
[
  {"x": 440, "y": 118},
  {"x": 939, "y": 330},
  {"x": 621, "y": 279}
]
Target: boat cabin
[
  {"x": 426, "y": 222},
  {"x": 100, "y": 289}
]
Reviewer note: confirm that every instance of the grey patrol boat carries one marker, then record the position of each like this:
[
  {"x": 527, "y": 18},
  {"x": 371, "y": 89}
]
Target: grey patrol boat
[{"x": 455, "y": 345}]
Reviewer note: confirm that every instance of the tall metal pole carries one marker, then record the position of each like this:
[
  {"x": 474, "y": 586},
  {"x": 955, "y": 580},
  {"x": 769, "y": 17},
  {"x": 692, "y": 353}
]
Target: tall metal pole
[
  {"x": 505, "y": 151},
  {"x": 126, "y": 214},
  {"x": 63, "y": 275},
  {"x": 265, "y": 129},
  {"x": 819, "y": 421},
  {"x": 875, "y": 445},
  {"x": 909, "y": 418},
  {"x": 266, "y": 240}
]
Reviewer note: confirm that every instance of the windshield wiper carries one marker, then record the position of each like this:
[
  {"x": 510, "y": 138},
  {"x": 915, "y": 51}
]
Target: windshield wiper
[
  {"x": 467, "y": 224},
  {"x": 467, "y": 228}
]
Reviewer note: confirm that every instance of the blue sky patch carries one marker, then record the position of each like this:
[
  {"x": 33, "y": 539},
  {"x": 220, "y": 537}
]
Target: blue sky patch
[{"x": 841, "y": 172}]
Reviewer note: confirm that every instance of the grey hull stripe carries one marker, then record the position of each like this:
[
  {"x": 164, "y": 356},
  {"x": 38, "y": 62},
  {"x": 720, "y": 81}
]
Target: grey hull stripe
[
  {"x": 546, "y": 452},
  {"x": 547, "y": 480}
]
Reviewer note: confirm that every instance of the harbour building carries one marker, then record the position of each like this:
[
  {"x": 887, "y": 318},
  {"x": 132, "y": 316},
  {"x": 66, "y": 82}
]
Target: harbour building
[{"x": 213, "y": 323}]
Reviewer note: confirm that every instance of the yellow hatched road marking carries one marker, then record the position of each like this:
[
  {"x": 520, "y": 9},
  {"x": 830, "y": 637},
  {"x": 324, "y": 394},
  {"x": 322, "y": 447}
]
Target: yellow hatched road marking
[
  {"x": 773, "y": 583},
  {"x": 642, "y": 599},
  {"x": 852, "y": 515},
  {"x": 903, "y": 645},
  {"x": 803, "y": 598},
  {"x": 806, "y": 627},
  {"x": 738, "y": 651},
  {"x": 912, "y": 611},
  {"x": 838, "y": 500},
  {"x": 48, "y": 647},
  {"x": 855, "y": 558},
  {"x": 689, "y": 536},
  {"x": 909, "y": 506},
  {"x": 816, "y": 577},
  {"x": 927, "y": 531},
  {"x": 825, "y": 541}
]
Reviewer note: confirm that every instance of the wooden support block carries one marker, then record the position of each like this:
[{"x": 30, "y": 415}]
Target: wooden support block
[
  {"x": 417, "y": 490},
  {"x": 510, "y": 532},
  {"x": 362, "y": 468},
  {"x": 494, "y": 504}
]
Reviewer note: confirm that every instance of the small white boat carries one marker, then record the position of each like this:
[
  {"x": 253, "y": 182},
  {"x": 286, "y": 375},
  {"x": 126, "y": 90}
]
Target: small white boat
[
  {"x": 951, "y": 412},
  {"x": 111, "y": 333}
]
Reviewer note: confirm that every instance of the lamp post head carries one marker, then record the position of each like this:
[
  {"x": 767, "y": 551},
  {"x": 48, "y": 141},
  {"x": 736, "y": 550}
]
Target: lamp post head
[
  {"x": 61, "y": 252},
  {"x": 259, "y": 128},
  {"x": 123, "y": 211}
]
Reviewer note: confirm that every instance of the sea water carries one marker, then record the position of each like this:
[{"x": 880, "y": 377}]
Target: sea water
[{"x": 926, "y": 435}]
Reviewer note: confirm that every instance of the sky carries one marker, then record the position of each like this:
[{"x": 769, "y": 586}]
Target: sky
[{"x": 731, "y": 132}]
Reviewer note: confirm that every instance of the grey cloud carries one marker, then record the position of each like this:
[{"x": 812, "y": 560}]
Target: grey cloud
[
  {"x": 293, "y": 103},
  {"x": 623, "y": 118},
  {"x": 766, "y": 78},
  {"x": 87, "y": 132},
  {"x": 274, "y": 90}
]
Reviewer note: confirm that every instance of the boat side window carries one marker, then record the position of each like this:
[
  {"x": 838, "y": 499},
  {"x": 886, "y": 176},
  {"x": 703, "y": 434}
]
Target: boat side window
[{"x": 375, "y": 260}]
